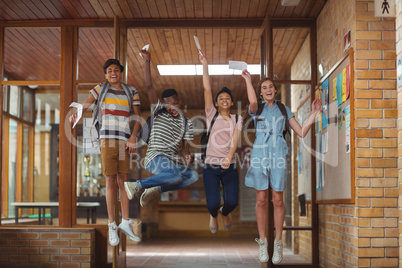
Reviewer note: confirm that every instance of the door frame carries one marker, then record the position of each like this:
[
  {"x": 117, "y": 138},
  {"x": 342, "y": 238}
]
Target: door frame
[{"x": 267, "y": 70}]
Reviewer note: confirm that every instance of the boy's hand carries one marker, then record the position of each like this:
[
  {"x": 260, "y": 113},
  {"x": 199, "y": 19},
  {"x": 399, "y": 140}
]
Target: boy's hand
[
  {"x": 131, "y": 145},
  {"x": 146, "y": 55},
  {"x": 189, "y": 158},
  {"x": 73, "y": 117}
]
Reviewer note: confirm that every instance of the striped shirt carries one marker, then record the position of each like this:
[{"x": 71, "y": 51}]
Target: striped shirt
[
  {"x": 166, "y": 135},
  {"x": 115, "y": 113}
]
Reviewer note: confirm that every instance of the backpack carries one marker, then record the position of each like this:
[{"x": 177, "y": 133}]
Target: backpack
[
  {"x": 97, "y": 116},
  {"x": 282, "y": 108},
  {"x": 145, "y": 132},
  {"x": 205, "y": 136}
]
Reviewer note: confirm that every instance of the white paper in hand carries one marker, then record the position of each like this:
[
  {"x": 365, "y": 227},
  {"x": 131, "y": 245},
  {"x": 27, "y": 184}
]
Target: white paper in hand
[
  {"x": 79, "y": 111},
  {"x": 146, "y": 47},
  {"x": 237, "y": 65},
  {"x": 197, "y": 43}
]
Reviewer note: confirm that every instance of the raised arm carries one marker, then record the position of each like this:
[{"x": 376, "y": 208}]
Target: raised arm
[
  {"x": 252, "y": 98},
  {"x": 87, "y": 103},
  {"x": 208, "y": 100},
  {"x": 153, "y": 98},
  {"x": 302, "y": 131}
]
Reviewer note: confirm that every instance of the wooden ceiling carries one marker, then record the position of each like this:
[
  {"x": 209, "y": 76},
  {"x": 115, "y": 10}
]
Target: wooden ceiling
[{"x": 34, "y": 53}]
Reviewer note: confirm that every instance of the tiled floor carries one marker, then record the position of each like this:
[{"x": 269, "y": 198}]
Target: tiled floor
[{"x": 198, "y": 252}]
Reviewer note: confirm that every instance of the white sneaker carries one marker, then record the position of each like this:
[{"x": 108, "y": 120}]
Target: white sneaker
[
  {"x": 127, "y": 228},
  {"x": 263, "y": 254},
  {"x": 131, "y": 189},
  {"x": 113, "y": 235},
  {"x": 148, "y": 195},
  {"x": 278, "y": 252}
]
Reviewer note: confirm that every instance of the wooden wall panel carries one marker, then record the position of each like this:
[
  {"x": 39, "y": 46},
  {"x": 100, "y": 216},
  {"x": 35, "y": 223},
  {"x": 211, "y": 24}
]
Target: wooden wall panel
[{"x": 168, "y": 46}]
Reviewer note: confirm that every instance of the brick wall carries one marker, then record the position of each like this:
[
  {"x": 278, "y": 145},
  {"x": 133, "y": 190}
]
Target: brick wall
[
  {"x": 55, "y": 247},
  {"x": 364, "y": 235},
  {"x": 399, "y": 98}
]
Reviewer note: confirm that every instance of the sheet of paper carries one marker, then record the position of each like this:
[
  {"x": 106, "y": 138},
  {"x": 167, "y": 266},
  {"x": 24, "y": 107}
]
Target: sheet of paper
[
  {"x": 146, "y": 47},
  {"x": 237, "y": 65},
  {"x": 79, "y": 111},
  {"x": 197, "y": 43}
]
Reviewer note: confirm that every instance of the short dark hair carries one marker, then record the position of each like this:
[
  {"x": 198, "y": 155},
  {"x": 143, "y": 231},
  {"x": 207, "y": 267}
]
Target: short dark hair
[
  {"x": 169, "y": 92},
  {"x": 224, "y": 90},
  {"x": 110, "y": 62}
]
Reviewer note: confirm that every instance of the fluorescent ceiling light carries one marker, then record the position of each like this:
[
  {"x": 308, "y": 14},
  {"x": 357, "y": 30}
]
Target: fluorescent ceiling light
[
  {"x": 213, "y": 69},
  {"x": 290, "y": 3}
]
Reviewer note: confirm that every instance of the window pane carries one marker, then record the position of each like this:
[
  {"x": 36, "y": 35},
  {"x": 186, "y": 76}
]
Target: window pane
[
  {"x": 91, "y": 184},
  {"x": 12, "y": 164},
  {"x": 95, "y": 46},
  {"x": 32, "y": 54},
  {"x": 46, "y": 153},
  {"x": 291, "y": 53},
  {"x": 27, "y": 107},
  {"x": 5, "y": 91},
  {"x": 14, "y": 100},
  {"x": 25, "y": 171}
]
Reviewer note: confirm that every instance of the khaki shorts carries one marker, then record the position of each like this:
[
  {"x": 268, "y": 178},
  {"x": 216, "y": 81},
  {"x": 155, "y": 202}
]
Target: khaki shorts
[{"x": 115, "y": 157}]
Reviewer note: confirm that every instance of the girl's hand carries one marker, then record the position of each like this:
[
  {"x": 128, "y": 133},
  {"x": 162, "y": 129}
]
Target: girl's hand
[
  {"x": 316, "y": 106},
  {"x": 73, "y": 117},
  {"x": 226, "y": 163},
  {"x": 203, "y": 59},
  {"x": 246, "y": 75}
]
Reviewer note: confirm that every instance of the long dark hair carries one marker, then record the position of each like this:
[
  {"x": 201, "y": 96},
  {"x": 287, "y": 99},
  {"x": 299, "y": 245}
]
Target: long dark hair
[{"x": 249, "y": 126}]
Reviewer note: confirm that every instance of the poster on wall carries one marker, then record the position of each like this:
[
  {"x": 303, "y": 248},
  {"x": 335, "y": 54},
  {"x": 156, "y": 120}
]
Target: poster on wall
[
  {"x": 343, "y": 85},
  {"x": 347, "y": 82},
  {"x": 318, "y": 161},
  {"x": 318, "y": 116},
  {"x": 340, "y": 120},
  {"x": 339, "y": 80},
  {"x": 347, "y": 128},
  {"x": 334, "y": 89},
  {"x": 325, "y": 103},
  {"x": 346, "y": 41}
]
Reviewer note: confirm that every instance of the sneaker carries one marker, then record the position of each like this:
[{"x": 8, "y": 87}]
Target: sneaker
[
  {"x": 227, "y": 227},
  {"x": 263, "y": 254},
  {"x": 113, "y": 235},
  {"x": 131, "y": 189},
  {"x": 127, "y": 228},
  {"x": 148, "y": 195},
  {"x": 278, "y": 252},
  {"x": 213, "y": 230}
]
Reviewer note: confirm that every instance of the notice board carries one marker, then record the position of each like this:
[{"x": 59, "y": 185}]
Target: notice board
[{"x": 335, "y": 135}]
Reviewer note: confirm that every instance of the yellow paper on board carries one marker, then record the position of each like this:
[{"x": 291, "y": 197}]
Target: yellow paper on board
[
  {"x": 334, "y": 89},
  {"x": 344, "y": 85}
]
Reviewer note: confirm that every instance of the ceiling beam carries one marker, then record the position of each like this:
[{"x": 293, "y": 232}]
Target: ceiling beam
[
  {"x": 59, "y": 23},
  {"x": 294, "y": 23},
  {"x": 194, "y": 23}
]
